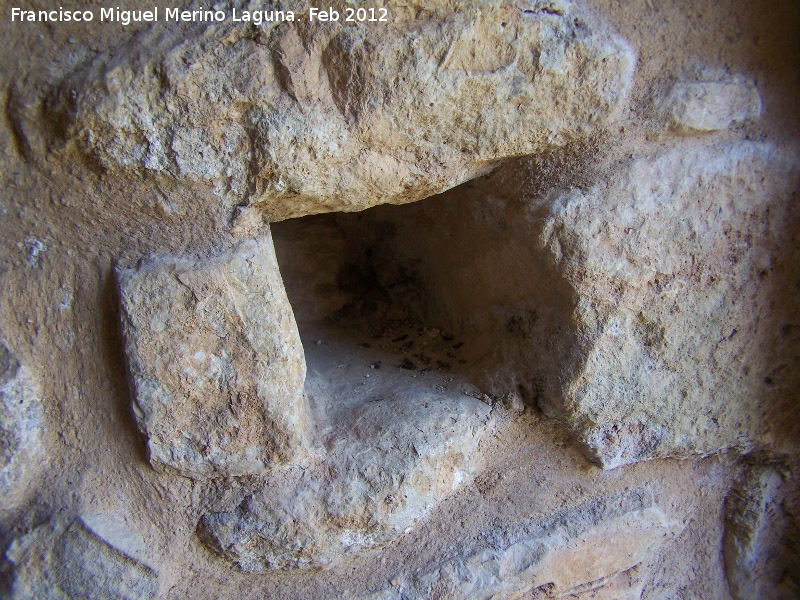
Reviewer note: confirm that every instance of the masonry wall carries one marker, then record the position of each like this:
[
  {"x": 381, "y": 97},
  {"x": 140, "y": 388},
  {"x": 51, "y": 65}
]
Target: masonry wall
[{"x": 494, "y": 300}]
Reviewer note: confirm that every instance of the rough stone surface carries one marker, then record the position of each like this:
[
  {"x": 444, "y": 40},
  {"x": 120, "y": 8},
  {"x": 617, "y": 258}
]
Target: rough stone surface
[
  {"x": 458, "y": 297},
  {"x": 667, "y": 260},
  {"x": 21, "y": 428},
  {"x": 389, "y": 462},
  {"x": 304, "y": 118},
  {"x": 760, "y": 548},
  {"x": 215, "y": 362},
  {"x": 578, "y": 551},
  {"x": 68, "y": 559},
  {"x": 637, "y": 308},
  {"x": 697, "y": 106}
]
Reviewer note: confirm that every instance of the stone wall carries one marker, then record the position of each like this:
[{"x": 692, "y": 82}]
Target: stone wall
[{"x": 492, "y": 300}]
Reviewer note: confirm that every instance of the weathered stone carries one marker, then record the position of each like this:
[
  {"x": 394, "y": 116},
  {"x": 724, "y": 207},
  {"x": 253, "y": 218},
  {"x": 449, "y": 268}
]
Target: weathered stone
[
  {"x": 247, "y": 222},
  {"x": 578, "y": 550},
  {"x": 68, "y": 559},
  {"x": 215, "y": 361},
  {"x": 693, "y": 106},
  {"x": 637, "y": 308},
  {"x": 761, "y": 556},
  {"x": 667, "y": 260},
  {"x": 114, "y": 136},
  {"x": 305, "y": 117},
  {"x": 21, "y": 428},
  {"x": 389, "y": 462}
]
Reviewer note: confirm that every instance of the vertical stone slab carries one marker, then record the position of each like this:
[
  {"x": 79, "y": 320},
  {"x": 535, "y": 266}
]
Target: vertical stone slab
[
  {"x": 215, "y": 362},
  {"x": 21, "y": 426}
]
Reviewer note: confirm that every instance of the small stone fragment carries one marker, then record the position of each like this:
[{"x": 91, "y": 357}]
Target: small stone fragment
[
  {"x": 21, "y": 427},
  {"x": 512, "y": 401},
  {"x": 711, "y": 105},
  {"x": 35, "y": 247},
  {"x": 67, "y": 559},
  {"x": 215, "y": 362}
]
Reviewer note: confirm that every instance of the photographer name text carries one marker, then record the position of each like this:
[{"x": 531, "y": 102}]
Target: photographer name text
[{"x": 178, "y": 15}]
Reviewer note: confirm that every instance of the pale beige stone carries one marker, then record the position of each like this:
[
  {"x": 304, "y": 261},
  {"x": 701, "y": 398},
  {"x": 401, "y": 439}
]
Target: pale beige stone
[
  {"x": 305, "y": 118},
  {"x": 215, "y": 361},
  {"x": 389, "y": 462},
  {"x": 697, "y": 106},
  {"x": 581, "y": 549},
  {"x": 666, "y": 260}
]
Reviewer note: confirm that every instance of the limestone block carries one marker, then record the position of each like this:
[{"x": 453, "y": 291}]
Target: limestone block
[
  {"x": 695, "y": 106},
  {"x": 68, "y": 559},
  {"x": 578, "y": 550},
  {"x": 390, "y": 463},
  {"x": 21, "y": 428},
  {"x": 673, "y": 265},
  {"x": 215, "y": 361},
  {"x": 306, "y": 117}
]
